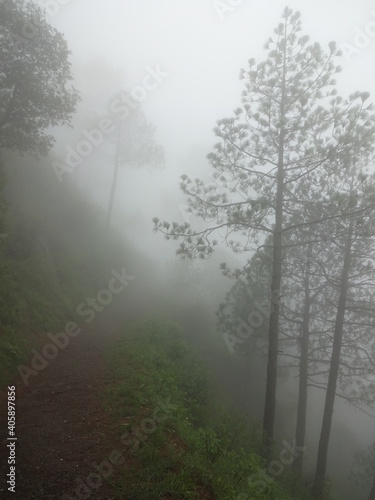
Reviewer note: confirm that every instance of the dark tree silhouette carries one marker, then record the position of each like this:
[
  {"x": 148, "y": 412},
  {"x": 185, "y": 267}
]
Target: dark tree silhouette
[{"x": 35, "y": 93}]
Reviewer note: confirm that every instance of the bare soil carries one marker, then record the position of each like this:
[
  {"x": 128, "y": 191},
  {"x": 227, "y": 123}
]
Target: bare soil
[{"x": 62, "y": 427}]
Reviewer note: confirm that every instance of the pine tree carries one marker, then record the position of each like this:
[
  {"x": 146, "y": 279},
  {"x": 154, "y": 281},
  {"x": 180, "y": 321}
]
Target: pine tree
[
  {"x": 288, "y": 131},
  {"x": 35, "y": 76}
]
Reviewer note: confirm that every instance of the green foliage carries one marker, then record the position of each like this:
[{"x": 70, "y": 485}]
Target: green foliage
[
  {"x": 198, "y": 451},
  {"x": 13, "y": 349},
  {"x": 34, "y": 78},
  {"x": 364, "y": 467}
]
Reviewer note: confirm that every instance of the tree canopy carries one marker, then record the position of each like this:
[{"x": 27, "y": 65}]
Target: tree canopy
[{"x": 35, "y": 76}]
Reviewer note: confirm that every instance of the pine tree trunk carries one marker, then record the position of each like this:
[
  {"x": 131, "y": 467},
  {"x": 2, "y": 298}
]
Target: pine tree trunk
[
  {"x": 273, "y": 329},
  {"x": 114, "y": 181},
  {"x": 372, "y": 492},
  {"x": 321, "y": 465},
  {"x": 303, "y": 370},
  {"x": 273, "y": 334}
]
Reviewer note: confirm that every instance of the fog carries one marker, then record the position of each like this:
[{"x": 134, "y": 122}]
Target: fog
[{"x": 182, "y": 61}]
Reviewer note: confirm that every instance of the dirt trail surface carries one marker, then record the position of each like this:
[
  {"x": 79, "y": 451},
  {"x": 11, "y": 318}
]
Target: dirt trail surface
[{"x": 61, "y": 425}]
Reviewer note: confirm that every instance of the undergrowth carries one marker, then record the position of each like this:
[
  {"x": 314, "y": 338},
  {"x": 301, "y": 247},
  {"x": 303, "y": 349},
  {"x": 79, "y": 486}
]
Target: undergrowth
[{"x": 195, "y": 451}]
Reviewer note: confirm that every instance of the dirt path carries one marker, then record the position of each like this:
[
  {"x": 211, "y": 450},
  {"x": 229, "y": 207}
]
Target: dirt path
[{"x": 61, "y": 427}]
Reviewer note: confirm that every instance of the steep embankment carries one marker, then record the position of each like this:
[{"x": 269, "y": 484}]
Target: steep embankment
[
  {"x": 61, "y": 426},
  {"x": 53, "y": 261},
  {"x": 173, "y": 442},
  {"x": 53, "y": 254}
]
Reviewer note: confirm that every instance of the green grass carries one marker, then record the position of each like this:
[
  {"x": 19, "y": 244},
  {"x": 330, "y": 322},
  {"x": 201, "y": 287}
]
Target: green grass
[{"x": 198, "y": 451}]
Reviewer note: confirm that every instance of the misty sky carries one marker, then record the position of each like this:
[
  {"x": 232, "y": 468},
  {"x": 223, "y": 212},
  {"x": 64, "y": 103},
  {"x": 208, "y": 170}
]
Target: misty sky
[{"x": 201, "y": 52}]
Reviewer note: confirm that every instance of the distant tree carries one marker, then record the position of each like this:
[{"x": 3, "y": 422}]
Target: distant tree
[
  {"x": 34, "y": 78},
  {"x": 285, "y": 132},
  {"x": 242, "y": 318},
  {"x": 352, "y": 281},
  {"x": 363, "y": 472},
  {"x": 311, "y": 290},
  {"x": 372, "y": 491},
  {"x": 135, "y": 145}
]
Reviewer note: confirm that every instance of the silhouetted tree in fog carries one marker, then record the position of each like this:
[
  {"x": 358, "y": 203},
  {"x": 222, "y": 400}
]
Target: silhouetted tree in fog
[
  {"x": 364, "y": 470},
  {"x": 34, "y": 78},
  {"x": 354, "y": 282},
  {"x": 134, "y": 139},
  {"x": 286, "y": 131}
]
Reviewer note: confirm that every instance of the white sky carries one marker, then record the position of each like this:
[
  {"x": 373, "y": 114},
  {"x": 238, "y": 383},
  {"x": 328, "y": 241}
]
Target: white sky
[{"x": 202, "y": 53}]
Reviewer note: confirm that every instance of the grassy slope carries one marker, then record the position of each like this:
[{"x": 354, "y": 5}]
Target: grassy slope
[
  {"x": 197, "y": 451},
  {"x": 52, "y": 258}
]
